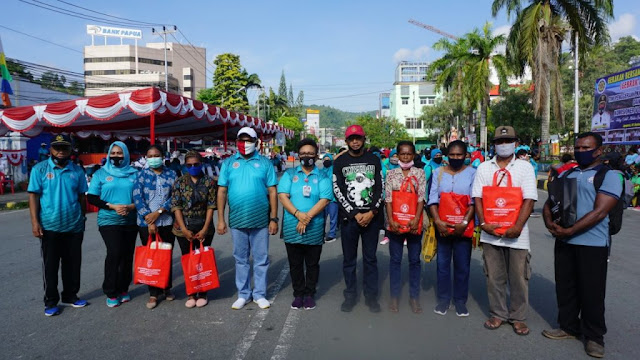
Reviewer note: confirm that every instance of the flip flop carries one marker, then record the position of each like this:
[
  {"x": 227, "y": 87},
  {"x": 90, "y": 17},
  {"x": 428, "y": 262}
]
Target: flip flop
[
  {"x": 493, "y": 323},
  {"x": 520, "y": 328}
]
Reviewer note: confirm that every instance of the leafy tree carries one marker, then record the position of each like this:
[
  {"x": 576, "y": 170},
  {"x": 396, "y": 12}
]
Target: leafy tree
[
  {"x": 282, "y": 89},
  {"x": 17, "y": 68},
  {"x": 291, "y": 123},
  {"x": 230, "y": 81},
  {"x": 515, "y": 110},
  {"x": 441, "y": 116},
  {"x": 382, "y": 132},
  {"x": 300, "y": 100},
  {"x": 290, "y": 99},
  {"x": 536, "y": 37}
]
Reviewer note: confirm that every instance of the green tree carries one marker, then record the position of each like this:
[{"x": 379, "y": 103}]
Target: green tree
[
  {"x": 536, "y": 37},
  {"x": 290, "y": 99},
  {"x": 230, "y": 84},
  {"x": 441, "y": 116},
  {"x": 291, "y": 123},
  {"x": 282, "y": 89},
  {"x": 382, "y": 132},
  {"x": 514, "y": 109}
]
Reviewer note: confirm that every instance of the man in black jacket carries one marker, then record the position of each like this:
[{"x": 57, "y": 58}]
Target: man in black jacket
[{"x": 357, "y": 184}]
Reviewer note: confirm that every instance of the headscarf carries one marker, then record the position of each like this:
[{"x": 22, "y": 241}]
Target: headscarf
[
  {"x": 392, "y": 166},
  {"x": 125, "y": 169},
  {"x": 328, "y": 171},
  {"x": 432, "y": 163}
]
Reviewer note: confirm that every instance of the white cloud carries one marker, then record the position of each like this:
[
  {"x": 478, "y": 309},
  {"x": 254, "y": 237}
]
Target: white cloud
[
  {"x": 625, "y": 25},
  {"x": 502, "y": 30},
  {"x": 418, "y": 54}
]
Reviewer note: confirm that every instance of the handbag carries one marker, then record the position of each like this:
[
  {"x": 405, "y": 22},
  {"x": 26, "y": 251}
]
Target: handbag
[
  {"x": 429, "y": 243},
  {"x": 152, "y": 266},
  {"x": 200, "y": 270},
  {"x": 501, "y": 205},
  {"x": 563, "y": 200},
  {"x": 452, "y": 209},
  {"x": 404, "y": 205}
]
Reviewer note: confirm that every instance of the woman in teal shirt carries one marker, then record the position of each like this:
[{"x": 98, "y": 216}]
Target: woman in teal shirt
[{"x": 111, "y": 190}]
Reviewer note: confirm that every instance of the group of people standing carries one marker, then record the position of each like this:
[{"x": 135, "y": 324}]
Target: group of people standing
[{"x": 351, "y": 191}]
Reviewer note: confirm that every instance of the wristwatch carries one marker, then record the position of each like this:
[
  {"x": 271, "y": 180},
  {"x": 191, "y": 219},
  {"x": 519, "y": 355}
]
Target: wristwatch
[
  {"x": 160, "y": 211},
  {"x": 465, "y": 222},
  {"x": 274, "y": 219}
]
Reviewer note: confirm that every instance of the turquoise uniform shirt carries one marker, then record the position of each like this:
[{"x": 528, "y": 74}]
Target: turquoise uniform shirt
[
  {"x": 114, "y": 190},
  {"x": 292, "y": 183},
  {"x": 247, "y": 181},
  {"x": 60, "y": 210}
]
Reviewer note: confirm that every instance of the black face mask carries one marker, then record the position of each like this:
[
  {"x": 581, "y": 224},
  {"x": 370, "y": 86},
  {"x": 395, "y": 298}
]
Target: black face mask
[
  {"x": 327, "y": 163},
  {"x": 117, "y": 161},
  {"x": 456, "y": 163},
  {"x": 307, "y": 161},
  {"x": 62, "y": 162},
  {"x": 437, "y": 160},
  {"x": 359, "y": 151}
]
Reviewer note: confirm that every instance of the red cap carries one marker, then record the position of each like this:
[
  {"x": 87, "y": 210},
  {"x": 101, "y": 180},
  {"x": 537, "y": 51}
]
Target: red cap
[{"x": 354, "y": 130}]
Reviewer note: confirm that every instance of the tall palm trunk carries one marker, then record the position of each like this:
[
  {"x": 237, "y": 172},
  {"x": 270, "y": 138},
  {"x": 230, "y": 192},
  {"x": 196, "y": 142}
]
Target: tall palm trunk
[{"x": 546, "y": 116}]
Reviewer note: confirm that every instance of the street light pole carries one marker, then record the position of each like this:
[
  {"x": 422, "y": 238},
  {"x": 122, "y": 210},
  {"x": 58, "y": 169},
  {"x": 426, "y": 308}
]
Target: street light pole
[
  {"x": 576, "y": 90},
  {"x": 164, "y": 33}
]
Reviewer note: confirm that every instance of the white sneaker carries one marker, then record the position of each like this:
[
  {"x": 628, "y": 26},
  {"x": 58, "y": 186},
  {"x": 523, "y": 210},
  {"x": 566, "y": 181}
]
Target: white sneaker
[
  {"x": 384, "y": 241},
  {"x": 263, "y": 303},
  {"x": 239, "y": 304}
]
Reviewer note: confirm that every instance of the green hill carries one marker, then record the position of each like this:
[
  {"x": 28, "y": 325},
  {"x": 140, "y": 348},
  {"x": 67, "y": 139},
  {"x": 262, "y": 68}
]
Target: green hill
[{"x": 335, "y": 118}]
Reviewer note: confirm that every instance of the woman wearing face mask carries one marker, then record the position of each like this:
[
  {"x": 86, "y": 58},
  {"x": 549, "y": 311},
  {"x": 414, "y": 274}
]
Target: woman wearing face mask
[
  {"x": 434, "y": 163},
  {"x": 392, "y": 163},
  {"x": 193, "y": 201},
  {"x": 455, "y": 178},
  {"x": 331, "y": 210},
  {"x": 304, "y": 191},
  {"x": 152, "y": 197},
  {"x": 111, "y": 190},
  {"x": 395, "y": 179}
]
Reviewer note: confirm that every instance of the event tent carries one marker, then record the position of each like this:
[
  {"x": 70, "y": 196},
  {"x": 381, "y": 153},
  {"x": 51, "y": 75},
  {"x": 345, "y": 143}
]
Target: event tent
[{"x": 148, "y": 113}]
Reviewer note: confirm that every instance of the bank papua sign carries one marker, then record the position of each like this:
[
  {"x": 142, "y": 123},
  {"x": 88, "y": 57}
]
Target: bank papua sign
[{"x": 114, "y": 32}]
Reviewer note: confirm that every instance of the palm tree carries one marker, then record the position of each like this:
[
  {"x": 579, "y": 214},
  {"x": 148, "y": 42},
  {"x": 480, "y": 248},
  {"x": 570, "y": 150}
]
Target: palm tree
[{"x": 536, "y": 37}]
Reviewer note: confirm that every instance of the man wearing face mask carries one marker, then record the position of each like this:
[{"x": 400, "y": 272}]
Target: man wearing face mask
[
  {"x": 506, "y": 257},
  {"x": 57, "y": 190},
  {"x": 581, "y": 249},
  {"x": 332, "y": 208},
  {"x": 357, "y": 185},
  {"x": 248, "y": 180}
]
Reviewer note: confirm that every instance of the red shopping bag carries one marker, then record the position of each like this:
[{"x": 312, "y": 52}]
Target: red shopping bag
[
  {"x": 200, "y": 270},
  {"x": 152, "y": 266},
  {"x": 404, "y": 203},
  {"x": 501, "y": 204},
  {"x": 452, "y": 209}
]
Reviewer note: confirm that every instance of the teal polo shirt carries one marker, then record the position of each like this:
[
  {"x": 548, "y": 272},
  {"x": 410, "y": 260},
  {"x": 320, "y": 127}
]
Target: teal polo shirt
[
  {"x": 114, "y": 190},
  {"x": 60, "y": 210},
  {"x": 247, "y": 182},
  {"x": 292, "y": 183}
]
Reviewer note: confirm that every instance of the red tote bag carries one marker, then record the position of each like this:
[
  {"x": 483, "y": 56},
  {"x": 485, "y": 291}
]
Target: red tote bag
[
  {"x": 200, "y": 270},
  {"x": 452, "y": 209},
  {"x": 404, "y": 203},
  {"x": 501, "y": 205},
  {"x": 152, "y": 266}
]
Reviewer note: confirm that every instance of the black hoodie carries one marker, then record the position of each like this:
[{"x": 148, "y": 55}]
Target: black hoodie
[{"x": 357, "y": 184}]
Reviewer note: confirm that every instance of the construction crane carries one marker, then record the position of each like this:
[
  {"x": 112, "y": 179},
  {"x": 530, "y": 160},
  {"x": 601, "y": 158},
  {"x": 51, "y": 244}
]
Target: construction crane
[{"x": 431, "y": 28}]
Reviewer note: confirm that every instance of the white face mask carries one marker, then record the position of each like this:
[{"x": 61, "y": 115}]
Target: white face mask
[
  {"x": 246, "y": 147},
  {"x": 506, "y": 150}
]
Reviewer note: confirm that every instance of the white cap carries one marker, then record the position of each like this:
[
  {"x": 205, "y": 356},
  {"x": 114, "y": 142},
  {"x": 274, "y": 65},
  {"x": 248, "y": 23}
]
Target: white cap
[{"x": 249, "y": 131}]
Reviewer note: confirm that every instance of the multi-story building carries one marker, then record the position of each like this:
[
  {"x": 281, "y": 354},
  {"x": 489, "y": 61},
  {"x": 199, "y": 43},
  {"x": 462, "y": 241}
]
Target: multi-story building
[
  {"x": 383, "y": 107},
  {"x": 411, "y": 92},
  {"x": 111, "y": 68}
]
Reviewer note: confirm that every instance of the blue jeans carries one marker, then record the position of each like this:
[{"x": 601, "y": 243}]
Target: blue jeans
[
  {"x": 460, "y": 249},
  {"x": 414, "y": 247},
  {"x": 351, "y": 233},
  {"x": 246, "y": 241},
  {"x": 332, "y": 212}
]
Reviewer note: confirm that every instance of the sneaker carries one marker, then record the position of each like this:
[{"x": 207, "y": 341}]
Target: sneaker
[
  {"x": 124, "y": 297},
  {"x": 309, "y": 303},
  {"x": 239, "y": 304},
  {"x": 190, "y": 303},
  {"x": 152, "y": 303},
  {"x": 168, "y": 295},
  {"x": 374, "y": 305},
  {"x": 113, "y": 302},
  {"x": 557, "y": 334},
  {"x": 329, "y": 239},
  {"x": 384, "y": 241},
  {"x": 202, "y": 302},
  {"x": 263, "y": 303},
  {"x": 441, "y": 309},
  {"x": 77, "y": 304},
  {"x": 594, "y": 349},
  {"x": 461, "y": 310},
  {"x": 348, "y": 304},
  {"x": 405, "y": 243},
  {"x": 297, "y": 303},
  {"x": 51, "y": 311}
]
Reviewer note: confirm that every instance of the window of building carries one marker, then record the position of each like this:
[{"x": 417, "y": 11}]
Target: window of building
[
  {"x": 413, "y": 123},
  {"x": 187, "y": 77},
  {"x": 188, "y": 88},
  {"x": 405, "y": 101},
  {"x": 109, "y": 72},
  {"x": 431, "y": 101},
  {"x": 423, "y": 101},
  {"x": 126, "y": 59}
]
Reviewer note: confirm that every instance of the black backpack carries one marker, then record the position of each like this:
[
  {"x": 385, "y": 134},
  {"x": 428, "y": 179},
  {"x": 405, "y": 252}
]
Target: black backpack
[{"x": 615, "y": 215}]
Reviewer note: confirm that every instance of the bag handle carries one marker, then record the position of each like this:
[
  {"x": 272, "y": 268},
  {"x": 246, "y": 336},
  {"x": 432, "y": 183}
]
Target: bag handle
[
  {"x": 191, "y": 246},
  {"x": 504, "y": 173},
  {"x": 157, "y": 240},
  {"x": 408, "y": 183}
]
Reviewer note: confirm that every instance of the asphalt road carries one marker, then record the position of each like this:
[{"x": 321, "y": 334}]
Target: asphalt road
[{"x": 216, "y": 331}]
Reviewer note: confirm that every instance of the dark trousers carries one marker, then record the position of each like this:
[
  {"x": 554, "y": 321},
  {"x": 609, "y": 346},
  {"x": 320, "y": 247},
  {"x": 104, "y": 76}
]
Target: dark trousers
[
  {"x": 185, "y": 248},
  {"x": 66, "y": 249},
  {"x": 396, "y": 248},
  {"x": 581, "y": 279},
  {"x": 167, "y": 236},
  {"x": 458, "y": 249},
  {"x": 301, "y": 257},
  {"x": 351, "y": 233},
  {"x": 118, "y": 266}
]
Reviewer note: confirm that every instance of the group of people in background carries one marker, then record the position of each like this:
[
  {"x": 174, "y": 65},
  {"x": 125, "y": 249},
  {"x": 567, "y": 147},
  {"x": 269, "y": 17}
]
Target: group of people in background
[{"x": 359, "y": 191}]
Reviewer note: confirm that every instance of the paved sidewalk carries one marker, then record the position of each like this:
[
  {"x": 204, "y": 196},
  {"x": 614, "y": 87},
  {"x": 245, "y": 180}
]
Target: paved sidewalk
[{"x": 9, "y": 197}]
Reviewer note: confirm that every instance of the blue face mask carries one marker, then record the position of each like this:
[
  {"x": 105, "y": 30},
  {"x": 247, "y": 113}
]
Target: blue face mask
[
  {"x": 585, "y": 158},
  {"x": 195, "y": 170},
  {"x": 467, "y": 161}
]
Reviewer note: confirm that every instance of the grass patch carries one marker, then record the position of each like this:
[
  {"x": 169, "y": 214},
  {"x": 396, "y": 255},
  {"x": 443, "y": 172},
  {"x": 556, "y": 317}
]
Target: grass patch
[{"x": 14, "y": 205}]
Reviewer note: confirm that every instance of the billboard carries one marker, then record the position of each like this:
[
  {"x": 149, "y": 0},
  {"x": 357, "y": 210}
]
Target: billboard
[
  {"x": 616, "y": 106},
  {"x": 313, "y": 121},
  {"x": 114, "y": 32}
]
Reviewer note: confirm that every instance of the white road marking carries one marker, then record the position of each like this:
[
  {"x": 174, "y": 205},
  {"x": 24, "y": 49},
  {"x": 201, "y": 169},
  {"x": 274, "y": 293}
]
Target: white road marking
[
  {"x": 7, "y": 212},
  {"x": 287, "y": 335},
  {"x": 256, "y": 323}
]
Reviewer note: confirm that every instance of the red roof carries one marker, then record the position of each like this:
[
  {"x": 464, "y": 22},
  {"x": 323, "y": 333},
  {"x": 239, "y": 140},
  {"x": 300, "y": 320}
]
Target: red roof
[
  {"x": 495, "y": 89},
  {"x": 128, "y": 114}
]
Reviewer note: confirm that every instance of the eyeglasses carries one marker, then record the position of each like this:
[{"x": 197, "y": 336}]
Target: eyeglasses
[{"x": 192, "y": 165}]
